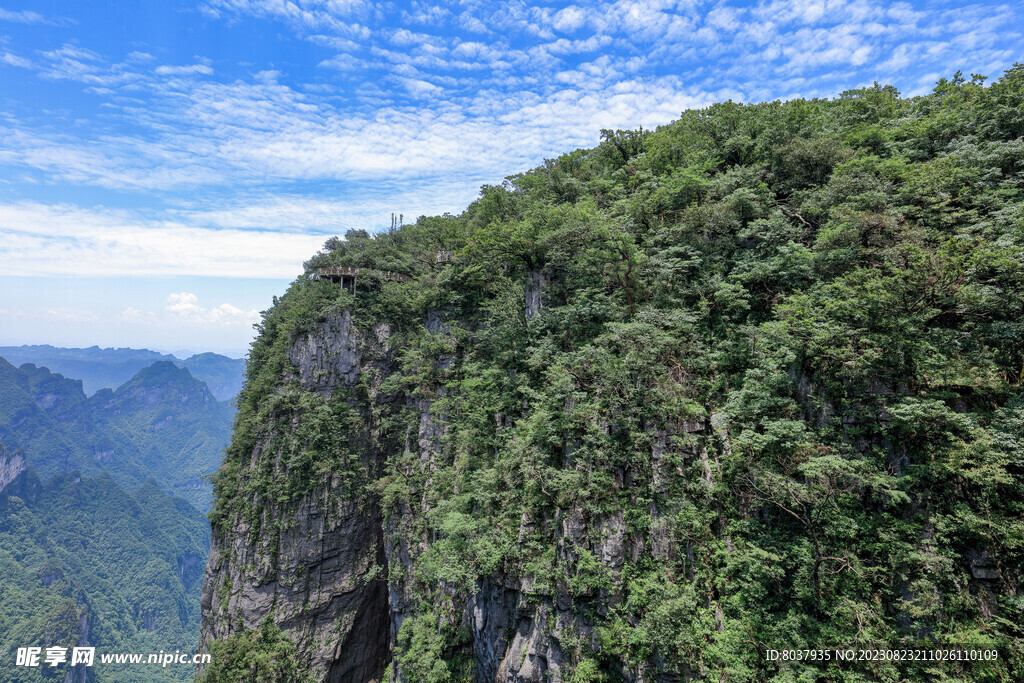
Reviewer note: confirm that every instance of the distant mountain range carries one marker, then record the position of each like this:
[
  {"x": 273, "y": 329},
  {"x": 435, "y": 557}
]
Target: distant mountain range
[
  {"x": 103, "y": 540},
  {"x": 110, "y": 368},
  {"x": 163, "y": 423},
  {"x": 85, "y": 562}
]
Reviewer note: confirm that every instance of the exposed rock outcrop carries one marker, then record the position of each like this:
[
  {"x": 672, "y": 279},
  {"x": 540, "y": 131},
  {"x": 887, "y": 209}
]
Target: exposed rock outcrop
[
  {"x": 315, "y": 563},
  {"x": 12, "y": 465},
  {"x": 328, "y": 355},
  {"x": 16, "y": 478},
  {"x": 537, "y": 283}
]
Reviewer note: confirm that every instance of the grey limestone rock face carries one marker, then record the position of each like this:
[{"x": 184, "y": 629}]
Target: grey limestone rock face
[
  {"x": 318, "y": 576},
  {"x": 17, "y": 478},
  {"x": 533, "y": 656},
  {"x": 982, "y": 565},
  {"x": 329, "y": 354},
  {"x": 11, "y": 467},
  {"x": 536, "y": 284},
  {"x": 314, "y": 564}
]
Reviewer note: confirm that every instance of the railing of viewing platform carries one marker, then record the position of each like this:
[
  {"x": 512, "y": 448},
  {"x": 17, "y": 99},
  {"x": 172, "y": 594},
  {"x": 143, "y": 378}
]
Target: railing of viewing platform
[{"x": 338, "y": 272}]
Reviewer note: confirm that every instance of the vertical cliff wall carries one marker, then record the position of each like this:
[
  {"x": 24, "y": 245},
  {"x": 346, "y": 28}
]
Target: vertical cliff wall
[{"x": 310, "y": 554}]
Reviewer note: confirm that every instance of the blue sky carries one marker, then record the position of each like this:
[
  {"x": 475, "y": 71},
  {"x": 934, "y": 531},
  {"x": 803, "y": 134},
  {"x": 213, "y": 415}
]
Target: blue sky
[{"x": 165, "y": 167}]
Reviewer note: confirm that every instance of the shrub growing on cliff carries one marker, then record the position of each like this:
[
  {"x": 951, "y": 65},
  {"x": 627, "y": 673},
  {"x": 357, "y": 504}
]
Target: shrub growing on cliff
[{"x": 261, "y": 654}]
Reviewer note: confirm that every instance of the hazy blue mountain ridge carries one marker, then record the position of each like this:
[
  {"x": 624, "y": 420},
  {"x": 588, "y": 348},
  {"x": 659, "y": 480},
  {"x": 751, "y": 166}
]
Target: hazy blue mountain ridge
[
  {"x": 223, "y": 375},
  {"x": 110, "y": 368}
]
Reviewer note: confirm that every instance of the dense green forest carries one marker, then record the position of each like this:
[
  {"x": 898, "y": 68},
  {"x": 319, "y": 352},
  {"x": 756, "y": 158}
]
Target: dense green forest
[
  {"x": 161, "y": 423},
  {"x": 751, "y": 380},
  {"x": 85, "y": 562}
]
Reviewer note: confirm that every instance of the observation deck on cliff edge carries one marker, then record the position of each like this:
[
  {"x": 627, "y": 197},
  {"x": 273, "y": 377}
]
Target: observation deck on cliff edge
[{"x": 347, "y": 275}]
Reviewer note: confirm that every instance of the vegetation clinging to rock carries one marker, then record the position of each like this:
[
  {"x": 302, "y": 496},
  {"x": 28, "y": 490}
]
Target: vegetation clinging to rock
[{"x": 750, "y": 380}]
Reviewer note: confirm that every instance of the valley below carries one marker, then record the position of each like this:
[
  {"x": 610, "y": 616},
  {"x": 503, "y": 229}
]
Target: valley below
[{"x": 103, "y": 535}]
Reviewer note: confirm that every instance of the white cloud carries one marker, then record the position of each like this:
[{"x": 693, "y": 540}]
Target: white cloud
[
  {"x": 28, "y": 17},
  {"x": 40, "y": 239},
  {"x": 426, "y": 14},
  {"x": 472, "y": 24},
  {"x": 472, "y": 49},
  {"x": 58, "y": 314},
  {"x": 336, "y": 16},
  {"x": 188, "y": 70},
  {"x": 296, "y": 214},
  {"x": 420, "y": 88},
  {"x": 203, "y": 133},
  {"x": 406, "y": 38},
  {"x": 343, "y": 62},
  {"x": 569, "y": 19},
  {"x": 136, "y": 315},
  {"x": 724, "y": 18},
  {"x": 14, "y": 60},
  {"x": 567, "y": 47},
  {"x": 75, "y": 63},
  {"x": 186, "y": 305},
  {"x": 70, "y": 314}
]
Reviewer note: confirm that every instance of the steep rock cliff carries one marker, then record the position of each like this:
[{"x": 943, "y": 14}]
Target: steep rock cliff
[{"x": 313, "y": 561}]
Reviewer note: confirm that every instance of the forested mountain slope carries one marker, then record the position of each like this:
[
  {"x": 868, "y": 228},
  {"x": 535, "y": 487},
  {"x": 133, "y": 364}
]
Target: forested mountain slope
[
  {"x": 222, "y": 374},
  {"x": 162, "y": 423},
  {"x": 86, "y": 563},
  {"x": 748, "y": 381}
]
